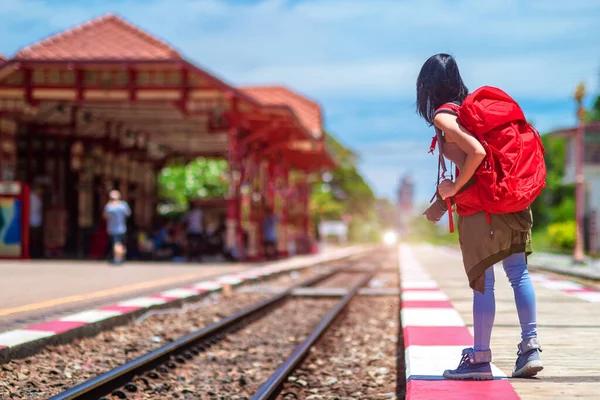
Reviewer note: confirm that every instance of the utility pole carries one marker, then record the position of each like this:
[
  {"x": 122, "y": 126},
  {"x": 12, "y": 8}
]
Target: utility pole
[{"x": 578, "y": 253}]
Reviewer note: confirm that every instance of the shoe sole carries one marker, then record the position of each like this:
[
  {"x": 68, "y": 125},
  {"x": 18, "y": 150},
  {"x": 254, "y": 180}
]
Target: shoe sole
[
  {"x": 529, "y": 370},
  {"x": 470, "y": 376}
]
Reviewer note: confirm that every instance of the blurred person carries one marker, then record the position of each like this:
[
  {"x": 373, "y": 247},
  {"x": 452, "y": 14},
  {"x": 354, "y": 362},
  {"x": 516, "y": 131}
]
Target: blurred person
[
  {"x": 485, "y": 237},
  {"x": 213, "y": 238},
  {"x": 116, "y": 213},
  {"x": 222, "y": 233},
  {"x": 145, "y": 245},
  {"x": 36, "y": 220},
  {"x": 178, "y": 241},
  {"x": 269, "y": 230},
  {"x": 195, "y": 231}
]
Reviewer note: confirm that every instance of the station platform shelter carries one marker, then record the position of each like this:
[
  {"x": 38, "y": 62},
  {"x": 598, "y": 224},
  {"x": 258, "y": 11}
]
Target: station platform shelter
[{"x": 106, "y": 106}]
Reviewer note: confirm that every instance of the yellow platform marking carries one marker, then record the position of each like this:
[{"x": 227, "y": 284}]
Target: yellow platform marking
[{"x": 98, "y": 294}]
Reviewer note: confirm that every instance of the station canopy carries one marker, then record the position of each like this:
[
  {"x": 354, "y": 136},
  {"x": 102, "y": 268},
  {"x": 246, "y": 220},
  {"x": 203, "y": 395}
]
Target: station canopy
[{"x": 108, "y": 81}]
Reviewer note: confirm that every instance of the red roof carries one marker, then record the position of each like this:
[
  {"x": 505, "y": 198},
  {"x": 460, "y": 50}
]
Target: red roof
[
  {"x": 105, "y": 38},
  {"x": 307, "y": 111}
]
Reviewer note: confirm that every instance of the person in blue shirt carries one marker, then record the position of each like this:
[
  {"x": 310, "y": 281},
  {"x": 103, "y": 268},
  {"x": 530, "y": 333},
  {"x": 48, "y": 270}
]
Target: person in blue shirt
[
  {"x": 116, "y": 213},
  {"x": 269, "y": 230}
]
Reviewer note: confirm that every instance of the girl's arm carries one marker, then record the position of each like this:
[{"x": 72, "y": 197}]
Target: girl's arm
[{"x": 454, "y": 132}]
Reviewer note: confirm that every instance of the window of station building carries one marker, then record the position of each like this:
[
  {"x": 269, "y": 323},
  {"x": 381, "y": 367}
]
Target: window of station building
[
  {"x": 592, "y": 147},
  {"x": 159, "y": 78},
  {"x": 592, "y": 153},
  {"x": 16, "y": 78},
  {"x": 53, "y": 77},
  {"x": 106, "y": 78}
]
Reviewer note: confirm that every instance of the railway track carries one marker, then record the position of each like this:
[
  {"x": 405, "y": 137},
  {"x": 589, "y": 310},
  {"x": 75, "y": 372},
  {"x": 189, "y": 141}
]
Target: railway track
[{"x": 127, "y": 379}]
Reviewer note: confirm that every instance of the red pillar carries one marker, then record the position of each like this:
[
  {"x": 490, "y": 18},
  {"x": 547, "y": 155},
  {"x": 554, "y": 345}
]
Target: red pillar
[
  {"x": 283, "y": 222},
  {"x": 578, "y": 252},
  {"x": 305, "y": 215},
  {"x": 254, "y": 234},
  {"x": 260, "y": 214},
  {"x": 271, "y": 176},
  {"x": 268, "y": 199},
  {"x": 234, "y": 240},
  {"x": 25, "y": 205}
]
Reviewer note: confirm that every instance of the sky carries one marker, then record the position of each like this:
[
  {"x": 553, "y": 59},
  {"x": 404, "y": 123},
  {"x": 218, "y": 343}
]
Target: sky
[{"x": 360, "y": 58}]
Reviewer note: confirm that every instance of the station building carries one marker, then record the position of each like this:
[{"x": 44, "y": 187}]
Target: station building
[{"x": 106, "y": 105}]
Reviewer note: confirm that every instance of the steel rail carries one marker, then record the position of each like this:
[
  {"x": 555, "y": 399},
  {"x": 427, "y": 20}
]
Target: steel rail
[
  {"x": 122, "y": 375},
  {"x": 272, "y": 387}
]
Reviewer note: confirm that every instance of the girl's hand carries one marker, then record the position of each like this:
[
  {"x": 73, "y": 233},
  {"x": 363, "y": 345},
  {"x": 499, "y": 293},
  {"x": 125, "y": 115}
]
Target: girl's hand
[{"x": 447, "y": 189}]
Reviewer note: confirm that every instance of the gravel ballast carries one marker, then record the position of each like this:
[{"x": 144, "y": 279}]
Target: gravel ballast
[
  {"x": 356, "y": 359},
  {"x": 57, "y": 368}
]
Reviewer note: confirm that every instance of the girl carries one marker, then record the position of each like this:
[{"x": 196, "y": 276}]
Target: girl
[{"x": 439, "y": 82}]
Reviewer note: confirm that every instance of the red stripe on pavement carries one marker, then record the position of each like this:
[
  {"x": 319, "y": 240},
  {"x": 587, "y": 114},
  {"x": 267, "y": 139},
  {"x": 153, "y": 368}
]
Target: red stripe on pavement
[
  {"x": 582, "y": 290},
  {"x": 460, "y": 390},
  {"x": 56, "y": 326},
  {"x": 427, "y": 304},
  {"x": 436, "y": 289},
  {"x": 437, "y": 336}
]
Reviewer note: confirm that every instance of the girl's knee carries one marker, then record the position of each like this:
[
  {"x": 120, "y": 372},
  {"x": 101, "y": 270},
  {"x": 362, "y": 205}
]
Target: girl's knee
[
  {"x": 515, "y": 267},
  {"x": 489, "y": 278},
  {"x": 515, "y": 260}
]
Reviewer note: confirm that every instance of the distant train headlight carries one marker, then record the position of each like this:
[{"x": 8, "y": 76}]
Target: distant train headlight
[{"x": 390, "y": 237}]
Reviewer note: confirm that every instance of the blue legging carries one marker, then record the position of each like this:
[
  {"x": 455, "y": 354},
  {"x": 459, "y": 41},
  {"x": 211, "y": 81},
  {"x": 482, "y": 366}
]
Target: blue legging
[{"x": 484, "y": 304}]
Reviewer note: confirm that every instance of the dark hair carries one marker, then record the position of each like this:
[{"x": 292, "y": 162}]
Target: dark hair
[{"x": 439, "y": 82}]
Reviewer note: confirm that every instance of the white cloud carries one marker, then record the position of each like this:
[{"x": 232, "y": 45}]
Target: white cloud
[
  {"x": 352, "y": 55},
  {"x": 539, "y": 75},
  {"x": 340, "y": 48},
  {"x": 362, "y": 79}
]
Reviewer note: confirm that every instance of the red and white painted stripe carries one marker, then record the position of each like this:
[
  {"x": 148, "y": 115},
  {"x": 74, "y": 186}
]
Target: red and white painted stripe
[
  {"x": 434, "y": 337},
  {"x": 47, "y": 329},
  {"x": 567, "y": 287}
]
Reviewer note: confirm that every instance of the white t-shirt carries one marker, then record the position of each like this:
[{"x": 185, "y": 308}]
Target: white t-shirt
[
  {"x": 194, "y": 221},
  {"x": 35, "y": 210}
]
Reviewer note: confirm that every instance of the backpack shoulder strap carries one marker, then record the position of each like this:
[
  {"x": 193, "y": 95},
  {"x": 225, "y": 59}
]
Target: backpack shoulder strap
[{"x": 447, "y": 108}]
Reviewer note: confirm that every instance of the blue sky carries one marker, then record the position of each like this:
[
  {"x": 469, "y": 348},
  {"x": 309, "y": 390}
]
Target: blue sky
[{"x": 360, "y": 58}]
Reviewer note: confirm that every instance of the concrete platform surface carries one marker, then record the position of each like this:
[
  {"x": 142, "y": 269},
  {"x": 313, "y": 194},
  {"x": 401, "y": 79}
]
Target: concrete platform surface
[
  {"x": 24, "y": 341},
  {"x": 42, "y": 289},
  {"x": 552, "y": 262},
  {"x": 34, "y": 291}
]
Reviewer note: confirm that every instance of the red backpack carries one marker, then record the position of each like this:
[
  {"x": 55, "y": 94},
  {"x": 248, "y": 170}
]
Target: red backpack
[{"x": 513, "y": 173}]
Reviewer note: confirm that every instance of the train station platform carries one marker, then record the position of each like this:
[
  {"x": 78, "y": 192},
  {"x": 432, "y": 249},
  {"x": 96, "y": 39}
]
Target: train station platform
[
  {"x": 437, "y": 324},
  {"x": 32, "y": 292}
]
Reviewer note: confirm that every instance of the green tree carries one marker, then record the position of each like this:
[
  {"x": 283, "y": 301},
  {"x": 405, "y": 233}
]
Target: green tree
[
  {"x": 594, "y": 113},
  {"x": 203, "y": 178}
]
